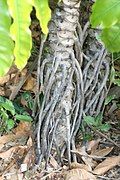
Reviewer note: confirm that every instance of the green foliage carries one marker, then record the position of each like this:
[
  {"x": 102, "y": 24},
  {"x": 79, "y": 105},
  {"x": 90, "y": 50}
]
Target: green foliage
[
  {"x": 6, "y": 43},
  {"x": 109, "y": 99},
  {"x": 106, "y": 13},
  {"x": 28, "y": 99},
  {"x": 20, "y": 32},
  {"x": 89, "y": 120},
  {"x": 114, "y": 79},
  {"x": 43, "y": 13},
  {"x": 114, "y": 76},
  {"x": 111, "y": 37},
  {"x": 10, "y": 124},
  {"x": 16, "y": 27},
  {"x": 96, "y": 123},
  {"x": 23, "y": 117},
  {"x": 87, "y": 136},
  {"x": 9, "y": 114},
  {"x": 8, "y": 106}
]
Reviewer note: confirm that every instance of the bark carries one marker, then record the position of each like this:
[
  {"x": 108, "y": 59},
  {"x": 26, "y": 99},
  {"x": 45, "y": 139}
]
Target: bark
[
  {"x": 56, "y": 77},
  {"x": 73, "y": 81}
]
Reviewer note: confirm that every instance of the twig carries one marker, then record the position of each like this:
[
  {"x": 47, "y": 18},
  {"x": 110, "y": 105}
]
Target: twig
[
  {"x": 106, "y": 178},
  {"x": 51, "y": 173}
]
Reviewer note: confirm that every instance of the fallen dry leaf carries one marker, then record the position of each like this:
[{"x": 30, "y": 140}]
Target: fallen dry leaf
[
  {"x": 8, "y": 154},
  {"x": 1, "y": 178},
  {"x": 53, "y": 162},
  {"x": 89, "y": 162},
  {"x": 29, "y": 159},
  {"x": 29, "y": 84},
  {"x": 4, "y": 79},
  {"x": 92, "y": 146},
  {"x": 13, "y": 70},
  {"x": 85, "y": 157},
  {"x": 12, "y": 174},
  {"x": 106, "y": 165},
  {"x": 30, "y": 156},
  {"x": 30, "y": 142},
  {"x": 2, "y": 91},
  {"x": 24, "y": 72},
  {"x": 103, "y": 152},
  {"x": 23, "y": 129},
  {"x": 79, "y": 174},
  {"x": 81, "y": 151},
  {"x": 75, "y": 165},
  {"x": 6, "y": 138},
  {"x": 15, "y": 80},
  {"x": 7, "y": 167}
]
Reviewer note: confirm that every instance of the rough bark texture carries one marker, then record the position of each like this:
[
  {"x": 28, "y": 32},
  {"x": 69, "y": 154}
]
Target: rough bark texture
[
  {"x": 57, "y": 81},
  {"x": 73, "y": 82}
]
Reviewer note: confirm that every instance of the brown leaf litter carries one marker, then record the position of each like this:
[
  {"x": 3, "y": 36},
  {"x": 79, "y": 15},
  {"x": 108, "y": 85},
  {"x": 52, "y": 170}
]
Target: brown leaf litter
[{"x": 16, "y": 157}]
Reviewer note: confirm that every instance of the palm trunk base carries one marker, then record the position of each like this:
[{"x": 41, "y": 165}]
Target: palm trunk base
[{"x": 73, "y": 80}]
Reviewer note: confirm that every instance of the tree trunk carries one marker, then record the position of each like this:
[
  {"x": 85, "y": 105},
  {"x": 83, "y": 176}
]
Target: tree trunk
[
  {"x": 58, "y": 69},
  {"x": 73, "y": 81}
]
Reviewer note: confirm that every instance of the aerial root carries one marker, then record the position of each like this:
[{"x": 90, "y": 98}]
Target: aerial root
[{"x": 87, "y": 86}]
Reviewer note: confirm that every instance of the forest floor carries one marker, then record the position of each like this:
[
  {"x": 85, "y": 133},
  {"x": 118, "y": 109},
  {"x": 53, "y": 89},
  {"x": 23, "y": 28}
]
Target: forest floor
[{"x": 98, "y": 155}]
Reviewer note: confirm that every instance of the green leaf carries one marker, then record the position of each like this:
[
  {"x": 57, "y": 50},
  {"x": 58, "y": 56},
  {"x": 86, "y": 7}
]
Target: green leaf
[
  {"x": 111, "y": 37},
  {"x": 3, "y": 114},
  {"x": 118, "y": 105},
  {"x": 112, "y": 74},
  {"x": 105, "y": 127},
  {"x": 105, "y": 13},
  {"x": 28, "y": 98},
  {"x": 10, "y": 124},
  {"x": 109, "y": 99},
  {"x": 2, "y": 99},
  {"x": 89, "y": 120},
  {"x": 87, "y": 137},
  {"x": 23, "y": 118},
  {"x": 116, "y": 56},
  {"x": 8, "y": 105},
  {"x": 20, "y": 11},
  {"x": 98, "y": 119},
  {"x": 18, "y": 109},
  {"x": 6, "y": 43},
  {"x": 117, "y": 74},
  {"x": 43, "y": 13},
  {"x": 117, "y": 82}
]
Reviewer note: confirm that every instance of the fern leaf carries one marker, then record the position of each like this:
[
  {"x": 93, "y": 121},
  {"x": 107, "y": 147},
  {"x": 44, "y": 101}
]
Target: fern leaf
[
  {"x": 6, "y": 43},
  {"x": 20, "y": 11},
  {"x": 43, "y": 13}
]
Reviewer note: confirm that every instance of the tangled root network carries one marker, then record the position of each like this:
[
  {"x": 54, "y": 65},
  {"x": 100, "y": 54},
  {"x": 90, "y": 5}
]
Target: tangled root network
[{"x": 72, "y": 75}]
